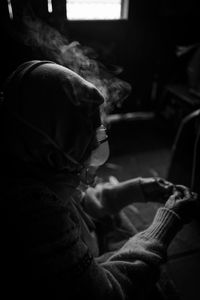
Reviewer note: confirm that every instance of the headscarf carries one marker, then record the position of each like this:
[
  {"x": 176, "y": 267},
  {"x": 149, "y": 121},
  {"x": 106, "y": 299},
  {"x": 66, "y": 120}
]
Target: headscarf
[{"x": 50, "y": 117}]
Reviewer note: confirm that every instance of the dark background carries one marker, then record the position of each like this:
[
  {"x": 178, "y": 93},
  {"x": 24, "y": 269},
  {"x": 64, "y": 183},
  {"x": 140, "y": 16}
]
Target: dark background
[{"x": 144, "y": 45}]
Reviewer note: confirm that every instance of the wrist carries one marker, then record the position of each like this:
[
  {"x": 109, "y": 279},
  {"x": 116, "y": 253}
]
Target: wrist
[
  {"x": 146, "y": 185},
  {"x": 164, "y": 227},
  {"x": 123, "y": 194},
  {"x": 173, "y": 212}
]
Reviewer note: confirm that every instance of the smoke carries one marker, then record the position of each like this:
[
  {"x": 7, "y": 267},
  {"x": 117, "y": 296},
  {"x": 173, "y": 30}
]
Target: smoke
[
  {"x": 76, "y": 57},
  {"x": 50, "y": 44},
  {"x": 43, "y": 39}
]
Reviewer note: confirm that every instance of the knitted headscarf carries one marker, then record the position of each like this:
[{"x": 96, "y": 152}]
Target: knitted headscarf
[{"x": 50, "y": 116}]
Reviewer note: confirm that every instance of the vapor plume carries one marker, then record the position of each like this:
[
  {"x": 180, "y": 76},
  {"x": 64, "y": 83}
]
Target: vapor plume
[{"x": 50, "y": 44}]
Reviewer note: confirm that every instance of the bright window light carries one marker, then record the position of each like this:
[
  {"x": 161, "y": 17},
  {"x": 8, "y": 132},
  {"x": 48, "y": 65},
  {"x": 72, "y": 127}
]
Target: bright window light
[
  {"x": 50, "y": 8},
  {"x": 10, "y": 10},
  {"x": 97, "y": 9}
]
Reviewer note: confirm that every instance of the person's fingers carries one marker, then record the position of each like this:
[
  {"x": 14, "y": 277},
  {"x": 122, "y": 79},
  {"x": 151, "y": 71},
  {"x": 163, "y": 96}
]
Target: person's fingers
[
  {"x": 184, "y": 192},
  {"x": 164, "y": 189},
  {"x": 169, "y": 189},
  {"x": 194, "y": 195},
  {"x": 184, "y": 203},
  {"x": 181, "y": 188},
  {"x": 175, "y": 194},
  {"x": 165, "y": 185},
  {"x": 113, "y": 180},
  {"x": 165, "y": 182},
  {"x": 171, "y": 201},
  {"x": 188, "y": 194}
]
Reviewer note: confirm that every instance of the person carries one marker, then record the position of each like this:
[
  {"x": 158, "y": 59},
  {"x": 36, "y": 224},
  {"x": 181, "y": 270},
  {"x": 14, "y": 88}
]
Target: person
[{"x": 53, "y": 139}]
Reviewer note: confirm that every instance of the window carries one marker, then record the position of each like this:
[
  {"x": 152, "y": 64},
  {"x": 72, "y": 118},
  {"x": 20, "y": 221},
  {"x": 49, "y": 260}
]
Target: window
[
  {"x": 83, "y": 9},
  {"x": 10, "y": 10},
  {"x": 97, "y": 9},
  {"x": 49, "y": 5}
]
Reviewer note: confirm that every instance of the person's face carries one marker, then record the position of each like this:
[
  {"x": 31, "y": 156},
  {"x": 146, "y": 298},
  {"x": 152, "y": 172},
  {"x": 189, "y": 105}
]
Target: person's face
[{"x": 100, "y": 155}]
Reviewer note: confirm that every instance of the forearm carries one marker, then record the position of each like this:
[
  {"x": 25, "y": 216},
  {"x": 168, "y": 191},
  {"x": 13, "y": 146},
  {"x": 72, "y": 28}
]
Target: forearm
[
  {"x": 154, "y": 240},
  {"x": 120, "y": 276},
  {"x": 138, "y": 262},
  {"x": 124, "y": 193}
]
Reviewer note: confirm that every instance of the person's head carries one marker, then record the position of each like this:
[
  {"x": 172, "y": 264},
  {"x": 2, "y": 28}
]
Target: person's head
[{"x": 52, "y": 118}]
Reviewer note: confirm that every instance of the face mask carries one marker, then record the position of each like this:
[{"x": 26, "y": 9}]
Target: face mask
[{"x": 100, "y": 155}]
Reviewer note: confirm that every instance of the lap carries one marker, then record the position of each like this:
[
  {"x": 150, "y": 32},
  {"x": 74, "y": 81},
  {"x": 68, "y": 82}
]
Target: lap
[{"x": 114, "y": 231}]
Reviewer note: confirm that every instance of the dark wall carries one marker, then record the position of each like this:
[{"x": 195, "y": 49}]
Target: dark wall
[{"x": 144, "y": 45}]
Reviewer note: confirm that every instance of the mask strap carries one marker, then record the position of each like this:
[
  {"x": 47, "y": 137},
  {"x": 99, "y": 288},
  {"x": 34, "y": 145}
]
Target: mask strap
[{"x": 103, "y": 141}]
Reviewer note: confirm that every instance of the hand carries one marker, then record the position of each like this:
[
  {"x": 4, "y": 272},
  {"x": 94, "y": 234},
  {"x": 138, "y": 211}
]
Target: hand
[
  {"x": 156, "y": 189},
  {"x": 105, "y": 198},
  {"x": 95, "y": 202},
  {"x": 184, "y": 203}
]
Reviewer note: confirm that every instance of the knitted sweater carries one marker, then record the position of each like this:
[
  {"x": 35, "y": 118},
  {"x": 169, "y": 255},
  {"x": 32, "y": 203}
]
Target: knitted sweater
[
  {"x": 49, "y": 121},
  {"x": 49, "y": 255}
]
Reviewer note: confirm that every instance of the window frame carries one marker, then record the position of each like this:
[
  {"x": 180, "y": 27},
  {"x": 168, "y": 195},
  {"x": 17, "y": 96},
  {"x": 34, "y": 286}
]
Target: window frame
[{"x": 123, "y": 17}]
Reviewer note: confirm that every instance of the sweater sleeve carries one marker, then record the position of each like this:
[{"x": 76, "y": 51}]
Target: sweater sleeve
[
  {"x": 58, "y": 255},
  {"x": 116, "y": 197},
  {"x": 107, "y": 198}
]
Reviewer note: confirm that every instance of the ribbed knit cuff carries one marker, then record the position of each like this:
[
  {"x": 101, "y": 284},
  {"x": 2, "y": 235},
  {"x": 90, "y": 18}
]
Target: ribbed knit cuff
[{"x": 165, "y": 226}]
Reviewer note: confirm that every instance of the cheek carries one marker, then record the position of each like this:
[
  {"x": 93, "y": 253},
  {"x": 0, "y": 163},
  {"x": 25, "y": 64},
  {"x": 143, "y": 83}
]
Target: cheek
[{"x": 100, "y": 155}]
